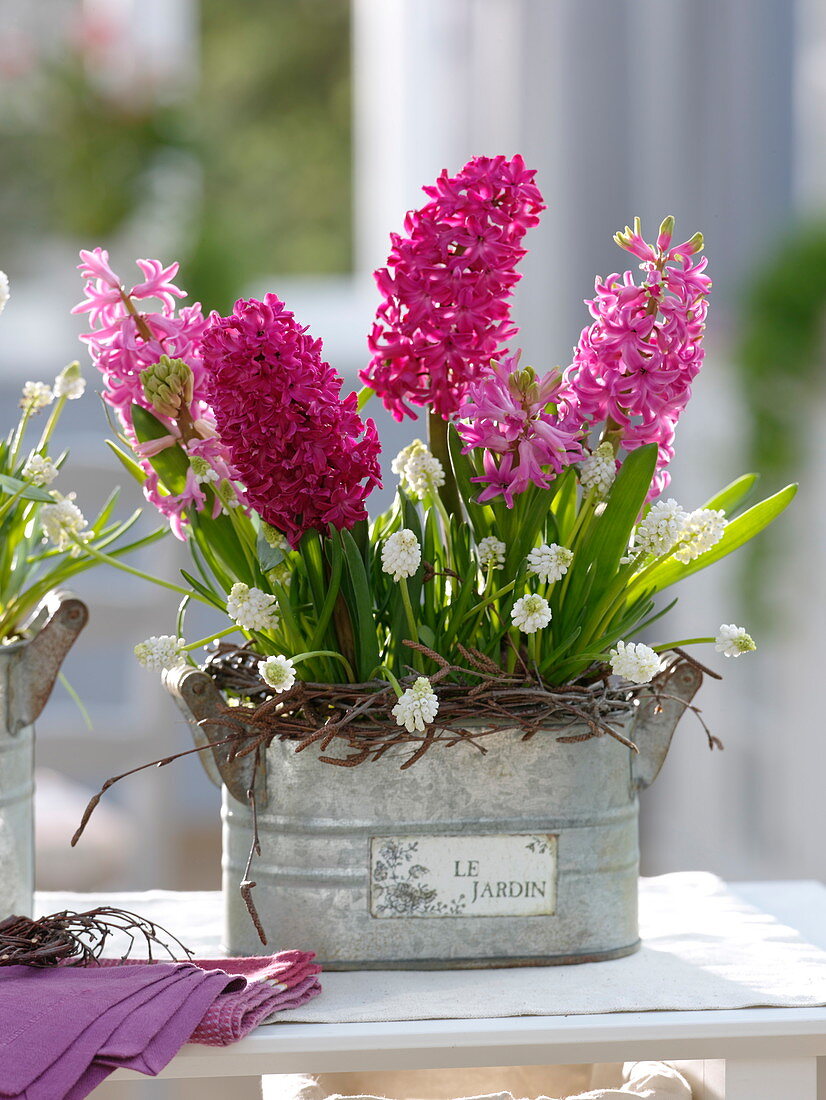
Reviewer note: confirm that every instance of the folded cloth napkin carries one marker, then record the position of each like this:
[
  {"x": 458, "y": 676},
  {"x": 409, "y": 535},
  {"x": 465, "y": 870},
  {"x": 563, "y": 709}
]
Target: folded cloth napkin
[
  {"x": 272, "y": 983},
  {"x": 63, "y": 1030}
]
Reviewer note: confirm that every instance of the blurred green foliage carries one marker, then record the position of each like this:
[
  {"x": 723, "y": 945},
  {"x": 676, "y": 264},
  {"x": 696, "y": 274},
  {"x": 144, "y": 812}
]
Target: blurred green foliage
[
  {"x": 273, "y": 132},
  {"x": 97, "y": 151},
  {"x": 780, "y": 360},
  {"x": 268, "y": 127},
  {"x": 782, "y": 348}
]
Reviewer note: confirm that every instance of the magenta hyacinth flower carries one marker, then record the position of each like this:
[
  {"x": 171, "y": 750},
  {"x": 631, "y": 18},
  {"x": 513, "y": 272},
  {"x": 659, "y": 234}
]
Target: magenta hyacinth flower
[
  {"x": 445, "y": 311},
  {"x": 124, "y": 339},
  {"x": 506, "y": 414},
  {"x": 635, "y": 363},
  {"x": 304, "y": 455}
]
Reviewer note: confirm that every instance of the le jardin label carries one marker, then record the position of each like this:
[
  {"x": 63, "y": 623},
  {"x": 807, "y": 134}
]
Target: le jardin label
[{"x": 463, "y": 876}]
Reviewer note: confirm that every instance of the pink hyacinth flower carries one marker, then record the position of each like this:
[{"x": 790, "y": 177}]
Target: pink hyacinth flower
[
  {"x": 445, "y": 311},
  {"x": 303, "y": 453},
  {"x": 634, "y": 365},
  {"x": 506, "y": 414},
  {"x": 125, "y": 338}
]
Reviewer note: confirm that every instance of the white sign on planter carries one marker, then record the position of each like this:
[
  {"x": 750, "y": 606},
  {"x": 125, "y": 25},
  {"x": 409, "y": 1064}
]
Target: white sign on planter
[{"x": 463, "y": 876}]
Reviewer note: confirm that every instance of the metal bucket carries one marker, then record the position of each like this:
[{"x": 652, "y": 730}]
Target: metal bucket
[
  {"x": 526, "y": 855},
  {"x": 28, "y": 670}
]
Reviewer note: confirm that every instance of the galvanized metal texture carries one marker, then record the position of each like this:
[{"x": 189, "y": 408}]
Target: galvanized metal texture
[
  {"x": 27, "y": 673},
  {"x": 317, "y": 881}
]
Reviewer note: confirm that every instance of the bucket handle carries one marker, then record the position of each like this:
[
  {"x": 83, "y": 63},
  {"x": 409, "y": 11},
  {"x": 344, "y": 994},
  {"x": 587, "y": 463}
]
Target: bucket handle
[
  {"x": 202, "y": 705},
  {"x": 38, "y": 660},
  {"x": 659, "y": 711}
]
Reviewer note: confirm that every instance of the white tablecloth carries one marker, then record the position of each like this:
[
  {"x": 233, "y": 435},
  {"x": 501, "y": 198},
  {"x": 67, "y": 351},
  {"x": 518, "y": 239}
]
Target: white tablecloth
[{"x": 703, "y": 948}]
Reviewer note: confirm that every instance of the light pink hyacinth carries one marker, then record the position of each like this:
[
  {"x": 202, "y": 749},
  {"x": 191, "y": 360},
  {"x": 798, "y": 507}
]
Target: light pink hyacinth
[
  {"x": 634, "y": 365},
  {"x": 446, "y": 287},
  {"x": 506, "y": 414},
  {"x": 124, "y": 340}
]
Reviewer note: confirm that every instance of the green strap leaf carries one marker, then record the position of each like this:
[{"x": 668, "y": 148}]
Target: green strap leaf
[
  {"x": 171, "y": 464},
  {"x": 607, "y": 539},
  {"x": 367, "y": 646},
  {"x": 128, "y": 463},
  {"x": 14, "y": 487},
  {"x": 734, "y": 495}
]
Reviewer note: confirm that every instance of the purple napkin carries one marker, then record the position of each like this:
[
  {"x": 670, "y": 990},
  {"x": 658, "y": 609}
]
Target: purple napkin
[
  {"x": 64, "y": 1029},
  {"x": 273, "y": 983}
]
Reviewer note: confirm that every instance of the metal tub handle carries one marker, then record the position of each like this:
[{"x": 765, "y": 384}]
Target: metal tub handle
[
  {"x": 203, "y": 707},
  {"x": 658, "y": 713},
  {"x": 37, "y": 662}
]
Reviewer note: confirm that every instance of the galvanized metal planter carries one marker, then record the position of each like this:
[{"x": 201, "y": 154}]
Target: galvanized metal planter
[
  {"x": 526, "y": 855},
  {"x": 28, "y": 670}
]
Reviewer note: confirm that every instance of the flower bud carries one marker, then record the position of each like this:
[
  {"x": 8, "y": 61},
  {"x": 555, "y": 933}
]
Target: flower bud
[
  {"x": 167, "y": 386},
  {"x": 523, "y": 384},
  {"x": 666, "y": 232},
  {"x": 70, "y": 383}
]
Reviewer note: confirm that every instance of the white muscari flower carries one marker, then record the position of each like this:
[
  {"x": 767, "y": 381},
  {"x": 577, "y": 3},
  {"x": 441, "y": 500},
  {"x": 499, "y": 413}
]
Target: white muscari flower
[
  {"x": 661, "y": 529},
  {"x": 598, "y": 470},
  {"x": 36, "y": 396},
  {"x": 635, "y": 662},
  {"x": 531, "y": 613},
  {"x": 161, "y": 652},
  {"x": 491, "y": 552},
  {"x": 251, "y": 608},
  {"x": 733, "y": 641},
  {"x": 278, "y": 672},
  {"x": 417, "y": 707},
  {"x": 70, "y": 383},
  {"x": 63, "y": 521},
  {"x": 550, "y": 562},
  {"x": 420, "y": 472},
  {"x": 4, "y": 290},
  {"x": 203, "y": 471},
  {"x": 703, "y": 529},
  {"x": 39, "y": 470},
  {"x": 401, "y": 554},
  {"x": 274, "y": 538}
]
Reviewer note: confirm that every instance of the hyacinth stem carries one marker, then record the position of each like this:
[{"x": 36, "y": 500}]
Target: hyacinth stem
[
  {"x": 437, "y": 441},
  {"x": 140, "y": 321},
  {"x": 18, "y": 438},
  {"x": 411, "y": 622},
  {"x": 212, "y": 638},
  {"x": 348, "y": 668},
  {"x": 51, "y": 423},
  {"x": 386, "y": 674},
  {"x": 683, "y": 642},
  {"x": 612, "y": 433}
]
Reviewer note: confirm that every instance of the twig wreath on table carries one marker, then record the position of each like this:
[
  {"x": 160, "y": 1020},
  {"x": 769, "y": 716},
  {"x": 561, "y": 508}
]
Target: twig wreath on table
[{"x": 529, "y": 539}]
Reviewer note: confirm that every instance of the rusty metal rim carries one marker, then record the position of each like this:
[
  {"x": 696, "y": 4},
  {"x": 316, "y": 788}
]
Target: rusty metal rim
[{"x": 485, "y": 964}]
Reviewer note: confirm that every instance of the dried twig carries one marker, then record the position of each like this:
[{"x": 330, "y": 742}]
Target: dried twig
[{"x": 69, "y": 937}]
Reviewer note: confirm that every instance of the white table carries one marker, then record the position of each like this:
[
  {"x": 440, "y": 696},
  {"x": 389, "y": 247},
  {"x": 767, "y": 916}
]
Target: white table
[{"x": 746, "y": 1054}]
